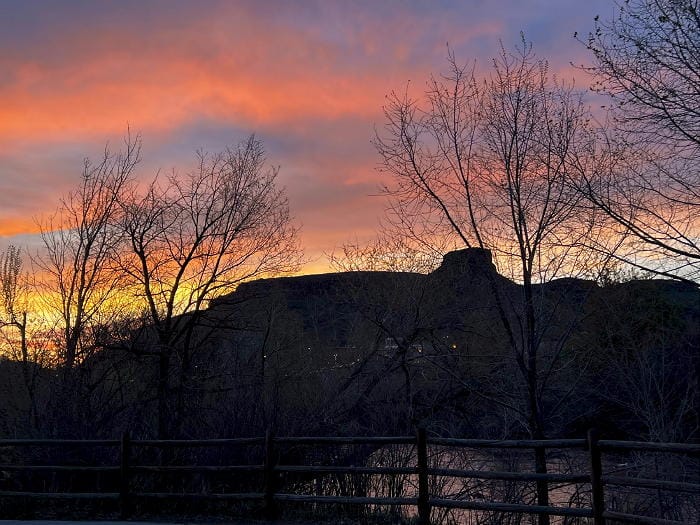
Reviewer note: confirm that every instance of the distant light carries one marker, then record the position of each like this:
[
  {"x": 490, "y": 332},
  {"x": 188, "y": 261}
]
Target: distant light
[{"x": 454, "y": 346}]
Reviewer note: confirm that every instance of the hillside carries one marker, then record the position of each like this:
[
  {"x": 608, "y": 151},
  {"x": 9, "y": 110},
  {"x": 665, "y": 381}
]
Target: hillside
[
  {"x": 381, "y": 352},
  {"x": 435, "y": 345}
]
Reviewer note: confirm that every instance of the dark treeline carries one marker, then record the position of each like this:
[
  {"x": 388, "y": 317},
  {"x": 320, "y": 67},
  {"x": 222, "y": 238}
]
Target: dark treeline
[
  {"x": 143, "y": 309},
  {"x": 383, "y": 352},
  {"x": 375, "y": 353}
]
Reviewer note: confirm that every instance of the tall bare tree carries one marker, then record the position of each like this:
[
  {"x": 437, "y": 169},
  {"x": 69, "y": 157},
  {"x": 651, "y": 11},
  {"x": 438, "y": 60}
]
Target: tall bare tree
[
  {"x": 485, "y": 163},
  {"x": 74, "y": 271},
  {"x": 13, "y": 292},
  {"x": 193, "y": 237},
  {"x": 647, "y": 60}
]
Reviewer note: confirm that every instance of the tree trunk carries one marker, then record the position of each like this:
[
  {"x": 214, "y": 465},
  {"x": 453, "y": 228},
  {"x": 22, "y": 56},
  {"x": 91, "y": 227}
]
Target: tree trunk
[
  {"x": 163, "y": 372},
  {"x": 536, "y": 420}
]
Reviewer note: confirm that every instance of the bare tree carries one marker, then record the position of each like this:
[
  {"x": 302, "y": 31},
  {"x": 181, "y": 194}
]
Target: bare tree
[
  {"x": 194, "y": 237},
  {"x": 13, "y": 291},
  {"x": 485, "y": 163},
  {"x": 647, "y": 60},
  {"x": 13, "y": 295},
  {"x": 387, "y": 253},
  {"x": 75, "y": 277}
]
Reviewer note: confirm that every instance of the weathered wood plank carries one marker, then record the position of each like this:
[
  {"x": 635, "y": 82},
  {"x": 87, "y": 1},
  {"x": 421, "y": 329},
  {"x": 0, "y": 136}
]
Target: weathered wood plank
[
  {"x": 510, "y": 507},
  {"x": 515, "y": 443},
  {"x": 510, "y": 476},
  {"x": 304, "y": 498},
  {"x": 327, "y": 469}
]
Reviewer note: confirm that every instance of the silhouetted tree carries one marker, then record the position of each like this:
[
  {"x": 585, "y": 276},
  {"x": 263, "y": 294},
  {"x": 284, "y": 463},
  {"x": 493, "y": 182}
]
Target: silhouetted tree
[
  {"x": 192, "y": 237},
  {"x": 75, "y": 276},
  {"x": 486, "y": 164},
  {"x": 647, "y": 60},
  {"x": 13, "y": 293}
]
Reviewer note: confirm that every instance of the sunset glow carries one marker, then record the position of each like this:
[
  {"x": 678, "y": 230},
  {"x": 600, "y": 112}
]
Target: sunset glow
[
  {"x": 298, "y": 259},
  {"x": 309, "y": 79}
]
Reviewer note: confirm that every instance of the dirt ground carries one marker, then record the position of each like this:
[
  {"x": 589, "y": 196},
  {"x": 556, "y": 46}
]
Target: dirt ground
[{"x": 93, "y": 522}]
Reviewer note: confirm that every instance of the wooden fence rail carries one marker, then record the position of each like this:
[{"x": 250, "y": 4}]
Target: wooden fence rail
[{"x": 126, "y": 493}]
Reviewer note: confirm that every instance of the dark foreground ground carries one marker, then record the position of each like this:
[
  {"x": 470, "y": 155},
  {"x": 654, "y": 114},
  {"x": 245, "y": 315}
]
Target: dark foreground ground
[{"x": 182, "y": 522}]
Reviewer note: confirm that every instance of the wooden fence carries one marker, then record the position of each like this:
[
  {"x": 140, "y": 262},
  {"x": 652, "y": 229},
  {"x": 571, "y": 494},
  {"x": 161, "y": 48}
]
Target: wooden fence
[{"x": 422, "y": 500}]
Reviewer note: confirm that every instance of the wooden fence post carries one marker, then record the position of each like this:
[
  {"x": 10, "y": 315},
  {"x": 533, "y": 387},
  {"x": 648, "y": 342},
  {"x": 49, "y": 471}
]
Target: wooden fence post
[
  {"x": 423, "y": 487},
  {"x": 124, "y": 496},
  {"x": 269, "y": 476},
  {"x": 597, "y": 492},
  {"x": 542, "y": 485}
]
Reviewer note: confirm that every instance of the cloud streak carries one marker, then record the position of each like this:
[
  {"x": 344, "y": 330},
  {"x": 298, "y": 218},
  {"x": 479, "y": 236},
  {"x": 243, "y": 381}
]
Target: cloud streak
[{"x": 309, "y": 78}]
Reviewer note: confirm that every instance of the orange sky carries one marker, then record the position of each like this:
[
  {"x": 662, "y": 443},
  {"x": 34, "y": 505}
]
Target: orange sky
[{"x": 309, "y": 78}]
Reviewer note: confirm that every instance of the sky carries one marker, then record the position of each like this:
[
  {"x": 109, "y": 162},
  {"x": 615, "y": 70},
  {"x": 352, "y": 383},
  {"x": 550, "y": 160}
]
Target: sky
[{"x": 308, "y": 78}]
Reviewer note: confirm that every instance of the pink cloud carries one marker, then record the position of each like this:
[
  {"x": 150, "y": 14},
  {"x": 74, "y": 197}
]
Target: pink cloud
[{"x": 313, "y": 75}]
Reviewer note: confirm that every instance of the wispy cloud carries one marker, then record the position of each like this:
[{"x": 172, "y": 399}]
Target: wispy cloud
[{"x": 308, "y": 77}]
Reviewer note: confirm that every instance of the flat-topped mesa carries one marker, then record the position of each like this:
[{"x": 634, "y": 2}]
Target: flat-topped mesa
[
  {"x": 329, "y": 285},
  {"x": 468, "y": 261},
  {"x": 461, "y": 268}
]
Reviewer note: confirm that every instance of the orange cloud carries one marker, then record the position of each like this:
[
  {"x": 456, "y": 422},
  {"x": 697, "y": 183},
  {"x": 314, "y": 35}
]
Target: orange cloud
[
  {"x": 13, "y": 225},
  {"x": 311, "y": 77},
  {"x": 283, "y": 78},
  {"x": 232, "y": 65}
]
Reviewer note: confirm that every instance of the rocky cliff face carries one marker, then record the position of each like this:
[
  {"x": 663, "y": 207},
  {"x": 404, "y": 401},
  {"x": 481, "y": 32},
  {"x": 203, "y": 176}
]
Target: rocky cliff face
[
  {"x": 468, "y": 268},
  {"x": 471, "y": 261}
]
